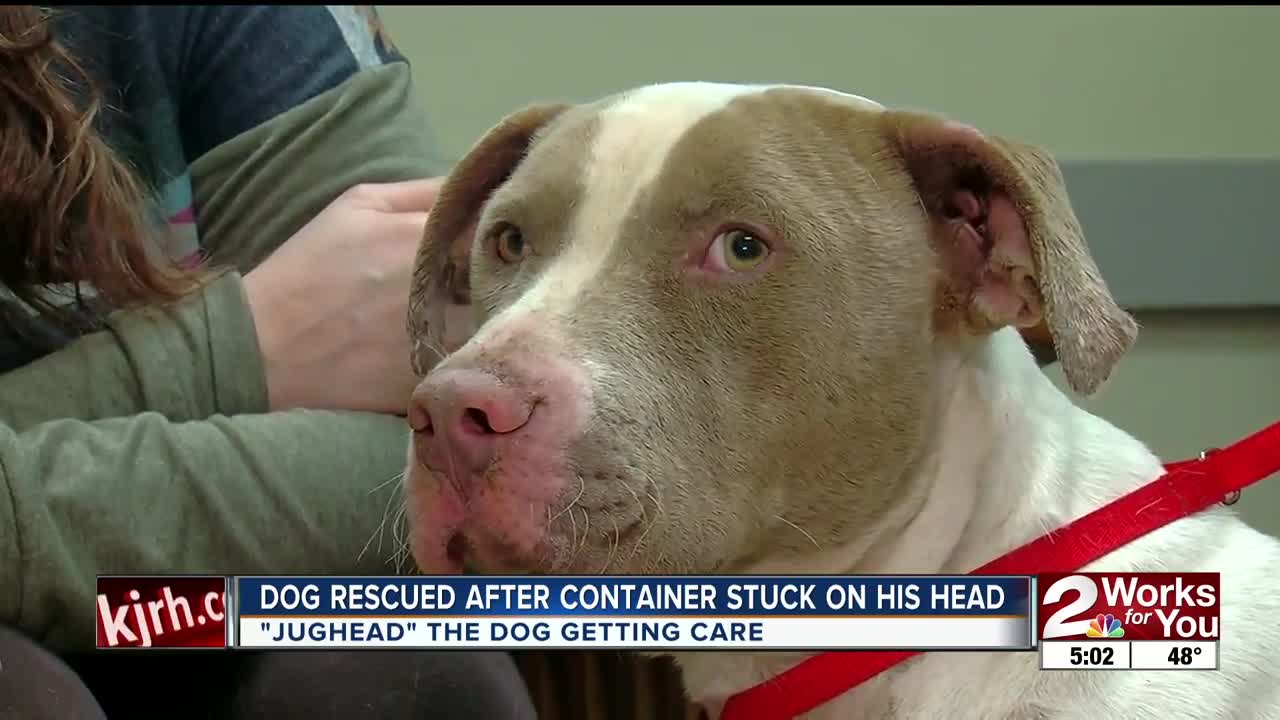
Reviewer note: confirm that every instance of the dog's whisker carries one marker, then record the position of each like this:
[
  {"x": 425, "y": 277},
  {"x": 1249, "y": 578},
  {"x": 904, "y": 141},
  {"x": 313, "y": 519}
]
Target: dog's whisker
[
  {"x": 582, "y": 488},
  {"x": 635, "y": 549},
  {"x": 573, "y": 519},
  {"x": 801, "y": 530},
  {"x": 613, "y": 549},
  {"x": 636, "y": 497},
  {"x": 382, "y": 485},
  {"x": 400, "y": 531},
  {"x": 586, "y": 533},
  {"x": 657, "y": 501},
  {"x": 379, "y": 532}
]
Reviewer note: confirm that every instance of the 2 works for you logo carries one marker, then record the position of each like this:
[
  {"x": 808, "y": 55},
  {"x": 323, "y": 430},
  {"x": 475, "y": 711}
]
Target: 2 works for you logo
[{"x": 1127, "y": 606}]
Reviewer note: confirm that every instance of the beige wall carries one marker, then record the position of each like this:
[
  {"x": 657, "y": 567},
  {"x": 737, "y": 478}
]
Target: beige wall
[{"x": 1090, "y": 83}]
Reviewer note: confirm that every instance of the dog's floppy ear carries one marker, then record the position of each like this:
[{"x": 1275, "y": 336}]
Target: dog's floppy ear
[
  {"x": 440, "y": 313},
  {"x": 1011, "y": 247}
]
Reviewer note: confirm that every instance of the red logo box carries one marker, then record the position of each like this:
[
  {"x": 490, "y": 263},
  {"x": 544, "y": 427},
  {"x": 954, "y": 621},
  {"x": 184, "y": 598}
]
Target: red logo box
[
  {"x": 1127, "y": 606},
  {"x": 162, "y": 612}
]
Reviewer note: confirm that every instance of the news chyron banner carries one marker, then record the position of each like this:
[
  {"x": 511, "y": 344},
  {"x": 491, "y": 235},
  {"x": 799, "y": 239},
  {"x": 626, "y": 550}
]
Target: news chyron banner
[
  {"x": 635, "y": 613},
  {"x": 1083, "y": 621},
  {"x": 629, "y": 613},
  {"x": 1128, "y": 621}
]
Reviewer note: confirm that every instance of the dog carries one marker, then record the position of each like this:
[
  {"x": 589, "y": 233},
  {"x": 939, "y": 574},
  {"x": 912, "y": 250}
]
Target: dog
[{"x": 704, "y": 328}]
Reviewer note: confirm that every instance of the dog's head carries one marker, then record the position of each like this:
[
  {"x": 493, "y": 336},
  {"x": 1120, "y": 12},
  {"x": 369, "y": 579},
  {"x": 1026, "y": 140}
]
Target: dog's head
[{"x": 681, "y": 323}]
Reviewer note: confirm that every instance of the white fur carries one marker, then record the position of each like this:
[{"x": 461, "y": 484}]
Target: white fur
[
  {"x": 1016, "y": 458},
  {"x": 637, "y": 131}
]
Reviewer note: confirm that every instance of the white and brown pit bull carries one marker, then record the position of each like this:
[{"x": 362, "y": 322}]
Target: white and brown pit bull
[{"x": 708, "y": 328}]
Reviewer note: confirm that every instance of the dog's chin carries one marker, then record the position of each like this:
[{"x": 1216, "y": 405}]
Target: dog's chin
[
  {"x": 444, "y": 544},
  {"x": 525, "y": 528},
  {"x": 490, "y": 528},
  {"x": 485, "y": 545},
  {"x": 485, "y": 553}
]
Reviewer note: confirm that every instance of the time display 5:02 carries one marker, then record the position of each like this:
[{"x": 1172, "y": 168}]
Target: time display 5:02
[{"x": 1099, "y": 655}]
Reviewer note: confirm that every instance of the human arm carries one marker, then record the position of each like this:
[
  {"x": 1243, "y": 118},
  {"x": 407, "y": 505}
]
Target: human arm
[
  {"x": 189, "y": 360},
  {"x": 297, "y": 492}
]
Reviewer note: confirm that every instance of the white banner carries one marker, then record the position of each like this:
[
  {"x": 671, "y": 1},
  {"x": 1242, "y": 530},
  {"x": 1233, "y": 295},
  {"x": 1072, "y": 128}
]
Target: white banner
[{"x": 649, "y": 633}]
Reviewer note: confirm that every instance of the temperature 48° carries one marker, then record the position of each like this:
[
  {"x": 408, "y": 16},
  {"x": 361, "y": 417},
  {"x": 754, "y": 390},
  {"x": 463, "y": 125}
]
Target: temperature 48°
[{"x": 1184, "y": 655}]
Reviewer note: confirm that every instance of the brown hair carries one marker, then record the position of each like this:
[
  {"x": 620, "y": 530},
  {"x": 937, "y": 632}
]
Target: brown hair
[{"x": 71, "y": 210}]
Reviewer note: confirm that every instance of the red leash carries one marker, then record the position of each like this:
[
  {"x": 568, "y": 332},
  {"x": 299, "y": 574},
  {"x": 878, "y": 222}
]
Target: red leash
[{"x": 1184, "y": 489}]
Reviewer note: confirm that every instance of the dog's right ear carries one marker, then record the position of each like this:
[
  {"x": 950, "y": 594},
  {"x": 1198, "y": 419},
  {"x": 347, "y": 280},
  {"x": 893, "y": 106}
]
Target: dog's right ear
[{"x": 440, "y": 313}]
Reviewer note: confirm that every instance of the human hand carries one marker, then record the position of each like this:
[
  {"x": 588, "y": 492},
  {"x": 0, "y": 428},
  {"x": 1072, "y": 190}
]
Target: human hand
[{"x": 330, "y": 304}]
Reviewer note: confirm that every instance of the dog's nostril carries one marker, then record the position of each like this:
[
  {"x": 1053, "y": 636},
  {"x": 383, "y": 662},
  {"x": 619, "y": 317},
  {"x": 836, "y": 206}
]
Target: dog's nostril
[{"x": 476, "y": 420}]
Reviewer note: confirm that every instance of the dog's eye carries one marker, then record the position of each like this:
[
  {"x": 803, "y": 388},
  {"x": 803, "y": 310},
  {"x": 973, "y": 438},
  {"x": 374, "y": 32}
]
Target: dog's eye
[
  {"x": 739, "y": 250},
  {"x": 511, "y": 246}
]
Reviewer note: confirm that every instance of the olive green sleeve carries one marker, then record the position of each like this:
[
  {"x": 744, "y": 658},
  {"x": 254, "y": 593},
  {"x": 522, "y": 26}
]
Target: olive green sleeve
[
  {"x": 372, "y": 129},
  {"x": 146, "y": 448},
  {"x": 184, "y": 361},
  {"x": 304, "y": 492}
]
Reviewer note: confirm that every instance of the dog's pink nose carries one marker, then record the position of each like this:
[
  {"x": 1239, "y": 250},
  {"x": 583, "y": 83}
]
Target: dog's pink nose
[{"x": 460, "y": 416}]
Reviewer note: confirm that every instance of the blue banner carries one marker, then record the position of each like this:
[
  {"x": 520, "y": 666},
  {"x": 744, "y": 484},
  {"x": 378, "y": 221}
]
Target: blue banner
[{"x": 635, "y": 596}]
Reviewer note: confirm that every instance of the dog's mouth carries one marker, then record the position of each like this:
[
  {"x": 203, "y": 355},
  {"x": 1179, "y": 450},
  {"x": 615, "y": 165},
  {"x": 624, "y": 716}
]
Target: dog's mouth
[
  {"x": 540, "y": 516},
  {"x": 464, "y": 555},
  {"x": 567, "y": 537},
  {"x": 482, "y": 552}
]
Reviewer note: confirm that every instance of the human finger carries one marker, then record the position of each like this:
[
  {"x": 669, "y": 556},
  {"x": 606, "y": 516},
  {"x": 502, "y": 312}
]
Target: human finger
[{"x": 409, "y": 195}]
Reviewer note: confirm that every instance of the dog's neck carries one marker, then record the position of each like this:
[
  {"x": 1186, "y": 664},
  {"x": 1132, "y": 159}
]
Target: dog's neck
[{"x": 1012, "y": 457}]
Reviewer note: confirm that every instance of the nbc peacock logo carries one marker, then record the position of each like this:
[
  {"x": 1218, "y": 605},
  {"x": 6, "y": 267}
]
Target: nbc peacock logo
[{"x": 1105, "y": 626}]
